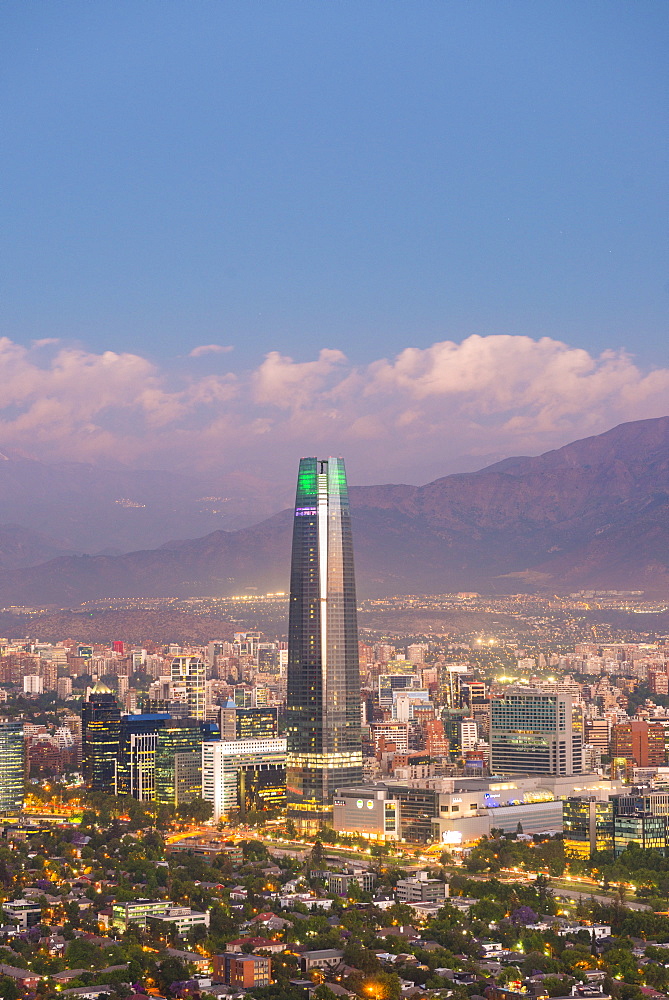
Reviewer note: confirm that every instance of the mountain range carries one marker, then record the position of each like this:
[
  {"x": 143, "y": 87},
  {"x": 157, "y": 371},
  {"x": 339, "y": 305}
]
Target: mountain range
[
  {"x": 593, "y": 514},
  {"x": 75, "y": 508}
]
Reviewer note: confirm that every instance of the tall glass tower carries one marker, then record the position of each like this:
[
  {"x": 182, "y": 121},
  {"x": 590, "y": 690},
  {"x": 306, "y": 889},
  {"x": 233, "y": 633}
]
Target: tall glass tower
[
  {"x": 12, "y": 765},
  {"x": 100, "y": 731},
  {"x": 323, "y": 703}
]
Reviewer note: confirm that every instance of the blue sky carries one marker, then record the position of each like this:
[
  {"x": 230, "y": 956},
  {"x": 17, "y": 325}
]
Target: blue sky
[{"x": 361, "y": 177}]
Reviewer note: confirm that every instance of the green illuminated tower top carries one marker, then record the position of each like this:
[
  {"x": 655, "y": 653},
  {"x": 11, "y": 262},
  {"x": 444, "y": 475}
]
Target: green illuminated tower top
[{"x": 323, "y": 703}]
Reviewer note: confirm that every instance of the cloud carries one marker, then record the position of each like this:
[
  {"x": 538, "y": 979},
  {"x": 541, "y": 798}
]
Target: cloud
[
  {"x": 411, "y": 417},
  {"x": 203, "y": 349}
]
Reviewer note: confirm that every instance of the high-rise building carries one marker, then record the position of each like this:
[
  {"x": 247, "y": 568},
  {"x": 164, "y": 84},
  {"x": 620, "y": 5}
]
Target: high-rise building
[
  {"x": 640, "y": 743},
  {"x": 243, "y": 775},
  {"x": 12, "y": 765},
  {"x": 178, "y": 762},
  {"x": 33, "y": 684},
  {"x": 469, "y": 735},
  {"x": 248, "y": 723},
  {"x": 188, "y": 682},
  {"x": 136, "y": 763},
  {"x": 100, "y": 732},
  {"x": 323, "y": 699},
  {"x": 537, "y": 732}
]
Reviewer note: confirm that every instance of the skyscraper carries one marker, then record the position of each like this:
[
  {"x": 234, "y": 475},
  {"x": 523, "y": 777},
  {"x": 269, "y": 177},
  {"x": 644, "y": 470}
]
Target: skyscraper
[
  {"x": 100, "y": 731},
  {"x": 12, "y": 757},
  {"x": 243, "y": 775},
  {"x": 537, "y": 732},
  {"x": 188, "y": 684},
  {"x": 178, "y": 766},
  {"x": 136, "y": 763},
  {"x": 323, "y": 702}
]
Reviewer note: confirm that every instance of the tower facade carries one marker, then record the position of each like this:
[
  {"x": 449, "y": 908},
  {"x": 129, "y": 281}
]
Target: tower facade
[
  {"x": 323, "y": 701},
  {"x": 100, "y": 732},
  {"x": 188, "y": 684},
  {"x": 12, "y": 765},
  {"x": 535, "y": 731}
]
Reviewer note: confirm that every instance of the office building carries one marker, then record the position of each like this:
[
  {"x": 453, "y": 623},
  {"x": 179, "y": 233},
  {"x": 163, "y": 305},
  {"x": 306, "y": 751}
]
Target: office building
[
  {"x": 451, "y": 718},
  {"x": 639, "y": 743},
  {"x": 588, "y": 826},
  {"x": 533, "y": 731},
  {"x": 188, "y": 684},
  {"x": 100, "y": 734},
  {"x": 421, "y": 889},
  {"x": 136, "y": 764},
  {"x": 12, "y": 765},
  {"x": 323, "y": 699},
  {"x": 341, "y": 882},
  {"x": 141, "y": 911},
  {"x": 248, "y": 723},
  {"x": 389, "y": 683},
  {"x": 243, "y": 776},
  {"x": 635, "y": 823},
  {"x": 178, "y": 762}
]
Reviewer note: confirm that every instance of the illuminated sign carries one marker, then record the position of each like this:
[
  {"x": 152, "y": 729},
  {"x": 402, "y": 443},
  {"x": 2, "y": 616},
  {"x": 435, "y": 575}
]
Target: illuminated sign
[{"x": 359, "y": 803}]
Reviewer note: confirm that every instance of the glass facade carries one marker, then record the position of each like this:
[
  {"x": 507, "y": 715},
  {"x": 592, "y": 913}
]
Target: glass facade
[
  {"x": 136, "y": 765},
  {"x": 588, "y": 826},
  {"x": 323, "y": 702},
  {"x": 642, "y": 829},
  {"x": 256, "y": 723},
  {"x": 12, "y": 756},
  {"x": 178, "y": 745},
  {"x": 536, "y": 732},
  {"x": 100, "y": 733}
]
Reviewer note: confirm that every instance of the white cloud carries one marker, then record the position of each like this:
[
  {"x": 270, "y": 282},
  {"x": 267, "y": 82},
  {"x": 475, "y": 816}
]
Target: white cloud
[
  {"x": 198, "y": 352},
  {"x": 409, "y": 417}
]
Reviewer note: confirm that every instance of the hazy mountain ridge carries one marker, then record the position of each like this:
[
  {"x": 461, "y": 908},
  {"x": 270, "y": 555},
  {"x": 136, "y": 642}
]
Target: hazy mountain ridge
[
  {"x": 592, "y": 514},
  {"x": 84, "y": 508}
]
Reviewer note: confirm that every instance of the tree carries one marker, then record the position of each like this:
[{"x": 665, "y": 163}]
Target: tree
[
  {"x": 324, "y": 992},
  {"x": 199, "y": 810},
  {"x": 318, "y": 855},
  {"x": 8, "y": 989},
  {"x": 172, "y": 970}
]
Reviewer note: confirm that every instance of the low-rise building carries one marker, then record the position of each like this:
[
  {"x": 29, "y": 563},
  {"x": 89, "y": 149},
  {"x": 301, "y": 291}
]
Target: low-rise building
[
  {"x": 24, "y": 977},
  {"x": 421, "y": 889},
  {"x": 256, "y": 944},
  {"x": 182, "y": 917},
  {"x": 201, "y": 963},
  {"x": 24, "y": 913},
  {"x": 140, "y": 911},
  {"x": 243, "y": 971},
  {"x": 340, "y": 882},
  {"x": 325, "y": 958}
]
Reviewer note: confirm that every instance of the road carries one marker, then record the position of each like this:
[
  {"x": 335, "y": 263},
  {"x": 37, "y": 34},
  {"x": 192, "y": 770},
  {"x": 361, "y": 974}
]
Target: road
[{"x": 575, "y": 894}]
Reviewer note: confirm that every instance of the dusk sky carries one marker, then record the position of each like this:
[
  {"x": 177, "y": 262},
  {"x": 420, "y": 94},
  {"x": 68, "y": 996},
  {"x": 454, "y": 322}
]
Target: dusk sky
[{"x": 424, "y": 235}]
